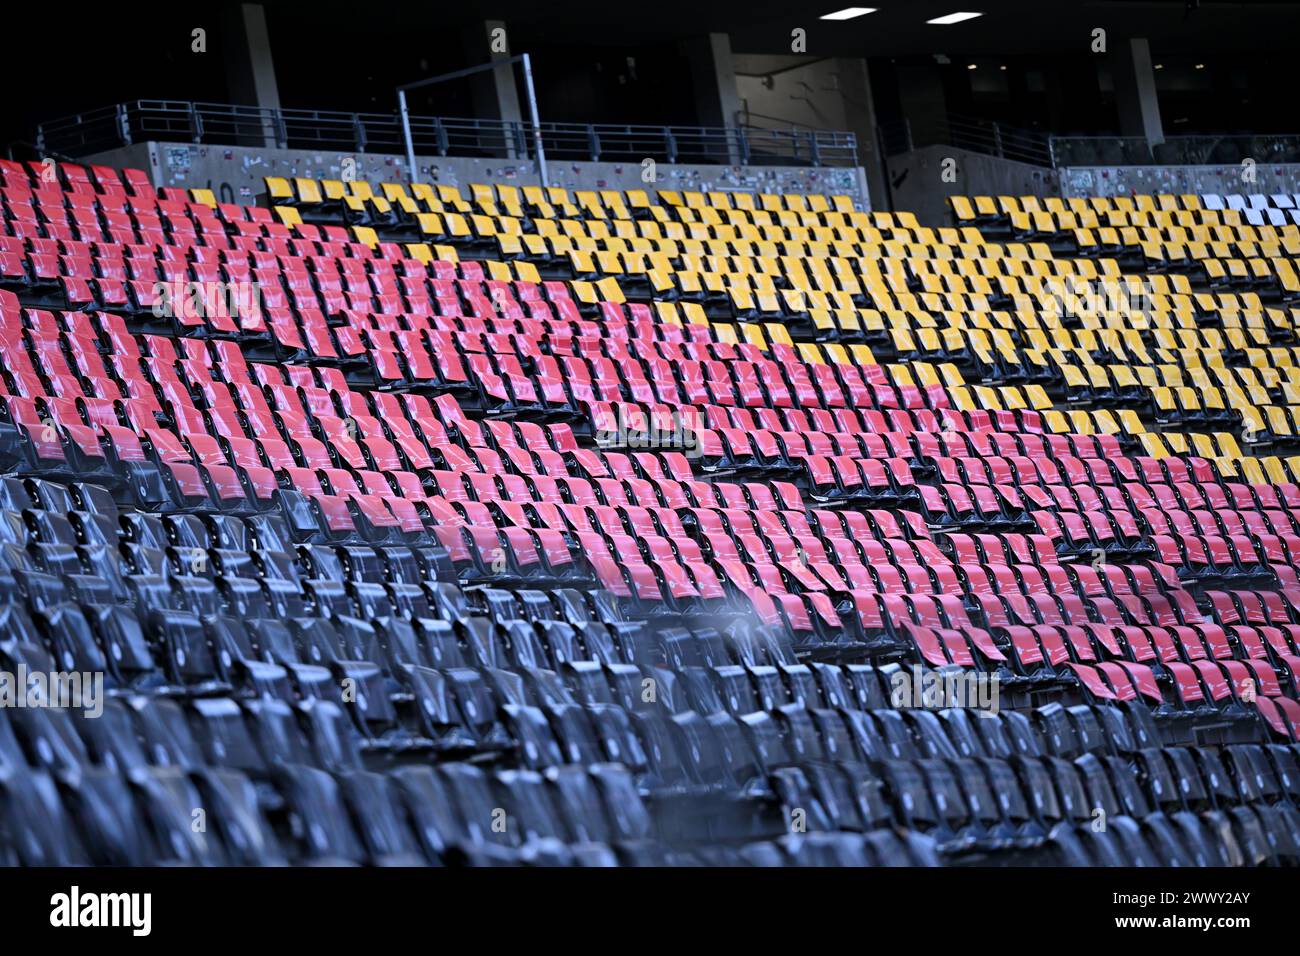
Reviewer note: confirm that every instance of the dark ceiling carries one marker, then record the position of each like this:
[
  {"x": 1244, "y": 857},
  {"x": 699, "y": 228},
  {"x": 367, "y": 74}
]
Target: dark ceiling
[
  {"x": 898, "y": 28},
  {"x": 339, "y": 54}
]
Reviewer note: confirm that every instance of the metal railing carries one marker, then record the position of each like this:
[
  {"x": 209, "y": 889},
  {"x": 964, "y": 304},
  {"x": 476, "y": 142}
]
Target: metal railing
[
  {"x": 225, "y": 124},
  {"x": 1040, "y": 149},
  {"x": 806, "y": 144},
  {"x": 969, "y": 133},
  {"x": 1175, "y": 151}
]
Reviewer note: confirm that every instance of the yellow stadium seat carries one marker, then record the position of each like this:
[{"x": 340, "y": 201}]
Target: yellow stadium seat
[{"x": 278, "y": 189}]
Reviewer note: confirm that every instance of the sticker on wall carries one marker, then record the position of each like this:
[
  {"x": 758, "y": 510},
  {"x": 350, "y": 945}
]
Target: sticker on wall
[
  {"x": 1080, "y": 181},
  {"x": 178, "y": 157}
]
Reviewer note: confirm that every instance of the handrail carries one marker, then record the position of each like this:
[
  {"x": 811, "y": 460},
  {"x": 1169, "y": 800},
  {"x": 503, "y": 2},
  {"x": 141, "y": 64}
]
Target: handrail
[
  {"x": 1186, "y": 150},
  {"x": 745, "y": 117},
  {"x": 968, "y": 133},
  {"x": 286, "y": 128},
  {"x": 995, "y": 139}
]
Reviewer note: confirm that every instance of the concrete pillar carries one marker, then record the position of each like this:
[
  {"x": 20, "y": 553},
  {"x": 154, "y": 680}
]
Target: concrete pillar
[
  {"x": 495, "y": 94},
  {"x": 1058, "y": 111},
  {"x": 1135, "y": 91},
  {"x": 860, "y": 119},
  {"x": 714, "y": 76},
  {"x": 924, "y": 105},
  {"x": 250, "y": 72}
]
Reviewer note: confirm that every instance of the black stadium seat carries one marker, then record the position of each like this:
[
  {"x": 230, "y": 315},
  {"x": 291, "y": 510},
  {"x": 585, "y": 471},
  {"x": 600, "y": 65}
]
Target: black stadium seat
[{"x": 433, "y": 561}]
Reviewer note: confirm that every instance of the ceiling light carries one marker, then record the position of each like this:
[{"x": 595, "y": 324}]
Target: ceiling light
[
  {"x": 1160, "y": 66},
  {"x": 848, "y": 13},
  {"x": 1002, "y": 67},
  {"x": 953, "y": 18},
  {"x": 970, "y": 66},
  {"x": 1200, "y": 66}
]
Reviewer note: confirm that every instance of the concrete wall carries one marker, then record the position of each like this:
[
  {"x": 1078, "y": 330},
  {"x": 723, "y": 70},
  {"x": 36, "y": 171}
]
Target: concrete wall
[
  {"x": 235, "y": 173},
  {"x": 1224, "y": 179},
  {"x": 826, "y": 93},
  {"x": 801, "y": 94},
  {"x": 918, "y": 184}
]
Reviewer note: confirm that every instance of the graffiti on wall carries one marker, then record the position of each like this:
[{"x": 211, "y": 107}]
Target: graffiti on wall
[
  {"x": 235, "y": 174},
  {"x": 1179, "y": 180}
]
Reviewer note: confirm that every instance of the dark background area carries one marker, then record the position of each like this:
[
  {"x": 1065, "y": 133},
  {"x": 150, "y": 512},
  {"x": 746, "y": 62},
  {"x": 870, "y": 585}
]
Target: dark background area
[{"x": 607, "y": 62}]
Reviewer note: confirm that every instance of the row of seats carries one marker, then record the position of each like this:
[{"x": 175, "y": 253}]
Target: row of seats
[
  {"x": 1240, "y": 242},
  {"x": 462, "y": 552}
]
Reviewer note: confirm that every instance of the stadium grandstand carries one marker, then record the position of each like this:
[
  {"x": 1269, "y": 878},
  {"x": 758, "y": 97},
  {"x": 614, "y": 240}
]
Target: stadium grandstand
[{"x": 762, "y": 435}]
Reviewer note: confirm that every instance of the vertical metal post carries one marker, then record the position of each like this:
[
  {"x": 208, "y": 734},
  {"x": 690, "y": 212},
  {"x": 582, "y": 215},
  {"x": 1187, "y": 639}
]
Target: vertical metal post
[
  {"x": 406, "y": 133},
  {"x": 539, "y": 151}
]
